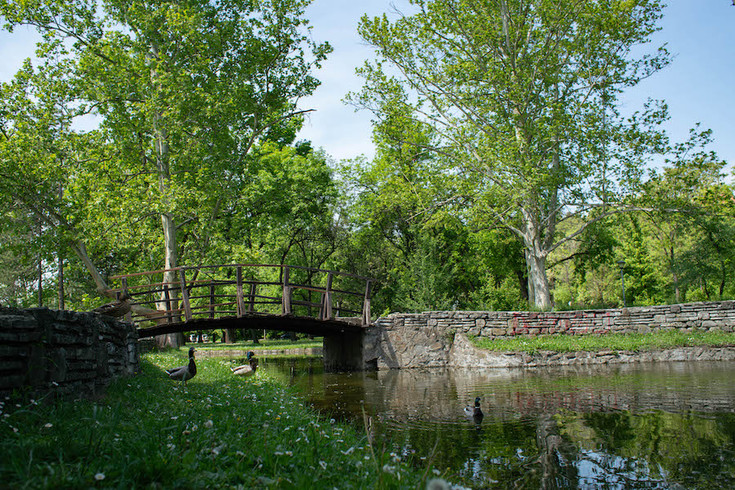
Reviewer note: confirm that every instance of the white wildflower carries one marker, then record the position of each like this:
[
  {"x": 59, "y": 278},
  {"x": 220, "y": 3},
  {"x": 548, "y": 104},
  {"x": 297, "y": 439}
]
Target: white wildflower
[
  {"x": 99, "y": 476},
  {"x": 209, "y": 424},
  {"x": 323, "y": 464}
]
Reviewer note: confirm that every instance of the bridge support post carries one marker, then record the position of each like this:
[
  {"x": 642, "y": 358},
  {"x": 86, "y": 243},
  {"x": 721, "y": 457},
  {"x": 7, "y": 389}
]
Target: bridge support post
[{"x": 343, "y": 352}]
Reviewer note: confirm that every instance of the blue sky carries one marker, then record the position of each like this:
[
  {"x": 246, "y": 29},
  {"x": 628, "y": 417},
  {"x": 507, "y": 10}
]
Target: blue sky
[{"x": 699, "y": 86}]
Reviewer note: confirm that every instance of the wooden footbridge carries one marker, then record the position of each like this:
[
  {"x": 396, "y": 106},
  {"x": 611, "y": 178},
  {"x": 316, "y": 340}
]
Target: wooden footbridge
[{"x": 272, "y": 297}]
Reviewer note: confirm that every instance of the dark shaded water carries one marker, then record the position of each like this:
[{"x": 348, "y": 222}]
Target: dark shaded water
[{"x": 636, "y": 426}]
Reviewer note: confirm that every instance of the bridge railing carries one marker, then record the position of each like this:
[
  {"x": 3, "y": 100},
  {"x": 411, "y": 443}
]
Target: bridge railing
[{"x": 236, "y": 290}]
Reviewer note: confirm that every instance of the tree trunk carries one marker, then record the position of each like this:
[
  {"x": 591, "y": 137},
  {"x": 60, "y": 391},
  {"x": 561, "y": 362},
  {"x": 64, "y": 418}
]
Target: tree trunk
[
  {"x": 40, "y": 271},
  {"x": 40, "y": 283},
  {"x": 80, "y": 248},
  {"x": 60, "y": 275},
  {"x": 60, "y": 279},
  {"x": 170, "y": 278},
  {"x": 674, "y": 276},
  {"x": 723, "y": 277},
  {"x": 168, "y": 222},
  {"x": 538, "y": 282}
]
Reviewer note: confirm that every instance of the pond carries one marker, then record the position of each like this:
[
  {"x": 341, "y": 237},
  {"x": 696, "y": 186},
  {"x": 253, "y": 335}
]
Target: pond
[{"x": 666, "y": 425}]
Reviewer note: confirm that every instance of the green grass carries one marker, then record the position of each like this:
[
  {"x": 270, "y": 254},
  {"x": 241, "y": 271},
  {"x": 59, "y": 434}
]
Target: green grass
[
  {"x": 220, "y": 431},
  {"x": 633, "y": 342},
  {"x": 261, "y": 345}
]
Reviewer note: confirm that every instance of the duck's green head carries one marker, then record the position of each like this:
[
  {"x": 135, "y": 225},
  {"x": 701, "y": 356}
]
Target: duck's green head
[
  {"x": 250, "y": 355},
  {"x": 477, "y": 401}
]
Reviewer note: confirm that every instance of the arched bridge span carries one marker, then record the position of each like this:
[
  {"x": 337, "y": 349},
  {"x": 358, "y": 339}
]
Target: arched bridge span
[{"x": 272, "y": 297}]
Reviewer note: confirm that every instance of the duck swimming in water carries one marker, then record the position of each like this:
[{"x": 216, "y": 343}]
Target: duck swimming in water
[
  {"x": 474, "y": 412},
  {"x": 246, "y": 369}
]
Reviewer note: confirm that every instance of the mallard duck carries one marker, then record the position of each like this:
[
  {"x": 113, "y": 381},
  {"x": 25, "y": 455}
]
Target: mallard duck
[
  {"x": 184, "y": 373},
  {"x": 247, "y": 369},
  {"x": 117, "y": 308},
  {"x": 474, "y": 412}
]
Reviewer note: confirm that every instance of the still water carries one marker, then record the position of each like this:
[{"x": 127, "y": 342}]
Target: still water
[{"x": 665, "y": 425}]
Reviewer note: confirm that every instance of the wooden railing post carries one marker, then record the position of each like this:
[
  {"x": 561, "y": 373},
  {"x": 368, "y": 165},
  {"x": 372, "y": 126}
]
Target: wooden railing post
[
  {"x": 185, "y": 295},
  {"x": 240, "y": 297},
  {"x": 251, "y": 298},
  {"x": 125, "y": 293},
  {"x": 286, "y": 298},
  {"x": 366, "y": 305},
  {"x": 211, "y": 299},
  {"x": 326, "y": 309},
  {"x": 167, "y": 298}
]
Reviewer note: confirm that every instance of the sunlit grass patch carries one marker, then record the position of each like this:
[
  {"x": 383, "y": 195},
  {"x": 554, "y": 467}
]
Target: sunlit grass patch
[
  {"x": 261, "y": 345},
  {"x": 633, "y": 342},
  {"x": 218, "y": 431}
]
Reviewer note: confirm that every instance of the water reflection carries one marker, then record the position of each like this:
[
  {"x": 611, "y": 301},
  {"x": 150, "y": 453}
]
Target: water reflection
[{"x": 636, "y": 426}]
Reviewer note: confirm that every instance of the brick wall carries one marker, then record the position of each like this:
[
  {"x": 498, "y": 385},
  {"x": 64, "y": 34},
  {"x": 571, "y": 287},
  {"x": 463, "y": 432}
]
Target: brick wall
[{"x": 63, "y": 352}]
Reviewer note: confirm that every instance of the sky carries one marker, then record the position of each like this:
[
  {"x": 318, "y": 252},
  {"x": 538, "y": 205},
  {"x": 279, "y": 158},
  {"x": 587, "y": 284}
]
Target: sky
[{"x": 698, "y": 86}]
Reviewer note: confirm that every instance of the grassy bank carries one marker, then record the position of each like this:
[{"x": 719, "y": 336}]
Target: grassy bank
[
  {"x": 261, "y": 345},
  {"x": 622, "y": 342},
  {"x": 220, "y": 431}
]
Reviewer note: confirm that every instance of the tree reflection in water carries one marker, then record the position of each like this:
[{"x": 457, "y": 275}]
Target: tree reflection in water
[{"x": 642, "y": 426}]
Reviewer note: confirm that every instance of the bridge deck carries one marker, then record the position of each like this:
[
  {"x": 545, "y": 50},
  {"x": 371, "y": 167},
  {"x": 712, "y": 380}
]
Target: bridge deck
[
  {"x": 288, "y": 323},
  {"x": 276, "y": 297}
]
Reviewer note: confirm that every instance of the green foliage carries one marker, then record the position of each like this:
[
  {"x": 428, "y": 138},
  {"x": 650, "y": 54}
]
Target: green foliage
[
  {"x": 521, "y": 108},
  {"x": 182, "y": 94},
  {"x": 503, "y": 171}
]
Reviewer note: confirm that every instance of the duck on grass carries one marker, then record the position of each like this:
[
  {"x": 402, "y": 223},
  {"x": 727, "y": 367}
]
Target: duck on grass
[
  {"x": 220, "y": 434},
  {"x": 247, "y": 369},
  {"x": 185, "y": 372}
]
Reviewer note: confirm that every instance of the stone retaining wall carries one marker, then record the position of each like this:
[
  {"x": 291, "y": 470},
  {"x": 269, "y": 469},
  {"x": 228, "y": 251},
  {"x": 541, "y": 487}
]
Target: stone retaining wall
[
  {"x": 463, "y": 354},
  {"x": 63, "y": 352},
  {"x": 425, "y": 339}
]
